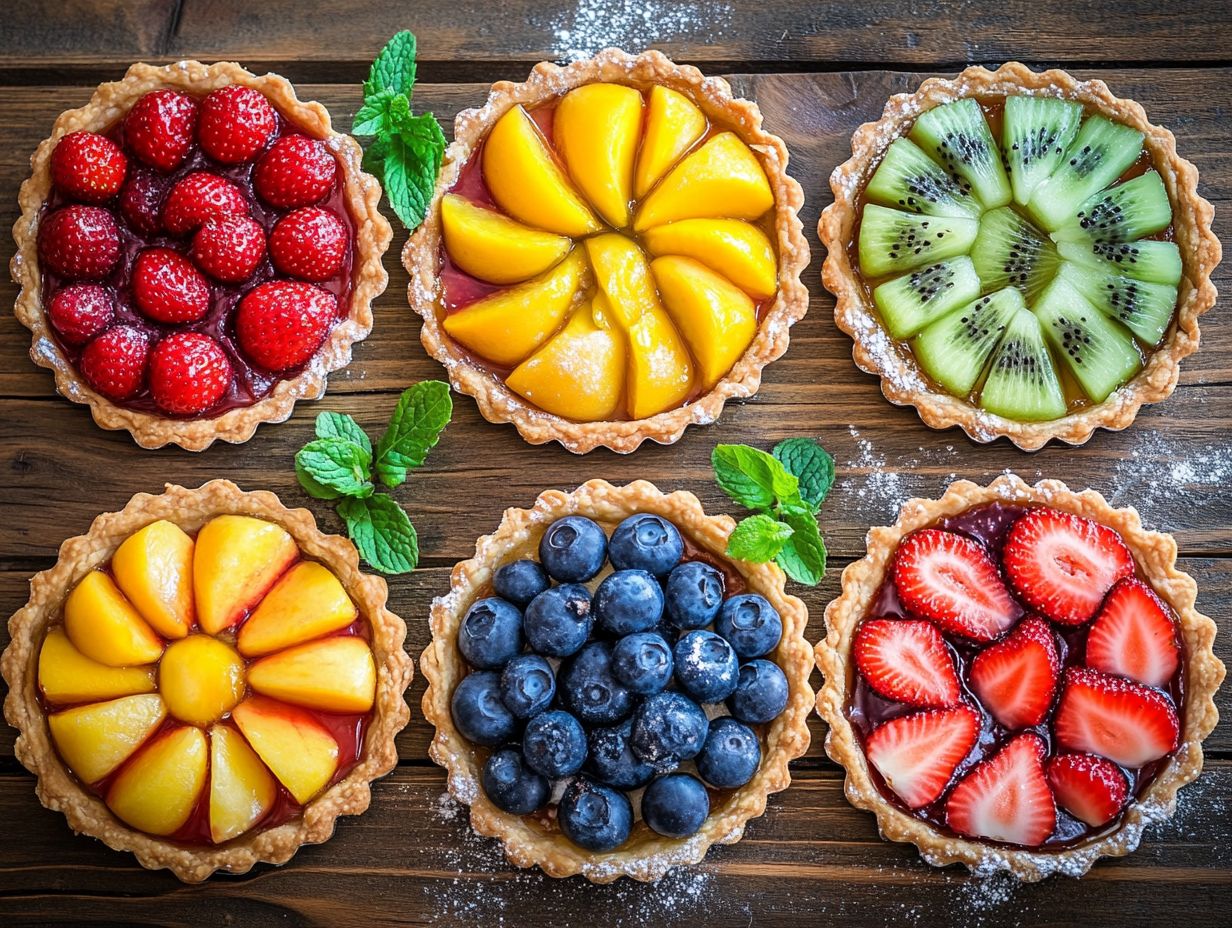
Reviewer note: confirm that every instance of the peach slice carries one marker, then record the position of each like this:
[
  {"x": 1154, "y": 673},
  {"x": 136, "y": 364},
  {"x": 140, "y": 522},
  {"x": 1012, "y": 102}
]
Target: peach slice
[
  {"x": 526, "y": 182},
  {"x": 201, "y": 678},
  {"x": 237, "y": 561},
  {"x": 307, "y": 602},
  {"x": 507, "y": 326},
  {"x": 242, "y": 790},
  {"x": 335, "y": 674},
  {"x": 673, "y": 124},
  {"x": 158, "y": 789},
  {"x": 491, "y": 246},
  {"x": 721, "y": 180},
  {"x": 104, "y": 626},
  {"x": 596, "y": 129},
  {"x": 738, "y": 250},
  {"x": 716, "y": 318},
  {"x": 298, "y": 749},
  {"x": 95, "y": 739},
  {"x": 67, "y": 676},
  {"x": 153, "y": 568}
]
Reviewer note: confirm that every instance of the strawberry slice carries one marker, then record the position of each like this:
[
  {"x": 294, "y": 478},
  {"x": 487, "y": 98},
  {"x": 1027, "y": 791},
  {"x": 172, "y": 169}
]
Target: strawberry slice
[
  {"x": 906, "y": 660},
  {"x": 1006, "y": 798},
  {"x": 951, "y": 579},
  {"x": 1016, "y": 679},
  {"x": 1134, "y": 635},
  {"x": 1063, "y": 564},
  {"x": 1115, "y": 718},
  {"x": 1088, "y": 787},
  {"x": 917, "y": 754}
]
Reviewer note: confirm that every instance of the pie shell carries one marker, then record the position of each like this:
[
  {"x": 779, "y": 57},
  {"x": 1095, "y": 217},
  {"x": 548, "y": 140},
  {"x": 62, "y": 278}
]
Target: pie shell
[
  {"x": 1155, "y": 556},
  {"x": 497, "y": 403},
  {"x": 646, "y": 856},
  {"x": 902, "y": 382},
  {"x": 110, "y": 102},
  {"x": 60, "y": 791}
]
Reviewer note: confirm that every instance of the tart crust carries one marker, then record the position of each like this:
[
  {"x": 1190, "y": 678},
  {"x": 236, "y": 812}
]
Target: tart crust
[
  {"x": 1155, "y": 555},
  {"x": 190, "y": 509},
  {"x": 110, "y": 102},
  {"x": 645, "y": 856},
  {"x": 497, "y": 403},
  {"x": 902, "y": 382}
]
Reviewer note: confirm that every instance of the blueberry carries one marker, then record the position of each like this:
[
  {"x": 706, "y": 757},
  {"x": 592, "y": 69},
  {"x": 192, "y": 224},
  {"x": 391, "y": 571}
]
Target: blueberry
[
  {"x": 648, "y": 542},
  {"x": 512, "y": 786},
  {"x": 611, "y": 759},
  {"x": 668, "y": 728},
  {"x": 706, "y": 666},
  {"x": 490, "y": 634},
  {"x": 528, "y": 685},
  {"x": 554, "y": 744},
  {"x": 675, "y": 805},
  {"x": 694, "y": 594},
  {"x": 750, "y": 624},
  {"x": 590, "y": 691},
  {"x": 558, "y": 620},
  {"x": 593, "y": 816},
  {"x": 730, "y": 755},
  {"x": 573, "y": 549},
  {"x": 478, "y": 712},
  {"x": 761, "y": 693},
  {"x": 520, "y": 582},
  {"x": 628, "y": 601},
  {"x": 642, "y": 662}
]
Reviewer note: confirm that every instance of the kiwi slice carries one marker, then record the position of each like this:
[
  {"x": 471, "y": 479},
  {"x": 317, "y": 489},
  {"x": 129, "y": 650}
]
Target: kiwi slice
[
  {"x": 1142, "y": 307},
  {"x": 909, "y": 179},
  {"x": 892, "y": 242},
  {"x": 1123, "y": 213},
  {"x": 1022, "y": 384},
  {"x": 910, "y": 302},
  {"x": 1009, "y": 252},
  {"x": 1098, "y": 155},
  {"x": 957, "y": 135},
  {"x": 1101, "y": 354},
  {"x": 954, "y": 349},
  {"x": 1156, "y": 262},
  {"x": 1035, "y": 134}
]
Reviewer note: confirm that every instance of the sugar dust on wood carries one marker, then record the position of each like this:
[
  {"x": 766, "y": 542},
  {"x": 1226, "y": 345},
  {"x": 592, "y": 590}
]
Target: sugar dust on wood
[{"x": 634, "y": 25}]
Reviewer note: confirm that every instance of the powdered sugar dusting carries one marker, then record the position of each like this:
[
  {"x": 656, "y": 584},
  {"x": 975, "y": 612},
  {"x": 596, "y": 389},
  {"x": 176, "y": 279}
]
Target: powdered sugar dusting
[
  {"x": 634, "y": 25},
  {"x": 883, "y": 486},
  {"x": 1150, "y": 474}
]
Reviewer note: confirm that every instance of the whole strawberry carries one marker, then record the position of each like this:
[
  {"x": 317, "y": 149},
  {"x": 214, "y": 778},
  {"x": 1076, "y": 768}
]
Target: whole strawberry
[
  {"x": 88, "y": 167},
  {"x": 189, "y": 373},
  {"x": 281, "y": 324},
  {"x": 310, "y": 243},
  {"x": 198, "y": 198},
  {"x": 141, "y": 201},
  {"x": 236, "y": 123},
  {"x": 114, "y": 363},
  {"x": 168, "y": 288},
  {"x": 230, "y": 249},
  {"x": 160, "y": 127},
  {"x": 78, "y": 312},
  {"x": 296, "y": 171},
  {"x": 79, "y": 242}
]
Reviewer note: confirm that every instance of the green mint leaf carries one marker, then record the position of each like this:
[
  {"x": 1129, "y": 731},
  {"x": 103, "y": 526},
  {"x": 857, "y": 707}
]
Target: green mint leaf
[
  {"x": 812, "y": 466},
  {"x": 340, "y": 425},
  {"x": 409, "y": 170},
  {"x": 394, "y": 68},
  {"x": 753, "y": 478},
  {"x": 803, "y": 557},
  {"x": 340, "y": 465},
  {"x": 382, "y": 533},
  {"x": 421, "y": 415},
  {"x": 374, "y": 157},
  {"x": 758, "y": 539},
  {"x": 373, "y": 117},
  {"x": 311, "y": 487}
]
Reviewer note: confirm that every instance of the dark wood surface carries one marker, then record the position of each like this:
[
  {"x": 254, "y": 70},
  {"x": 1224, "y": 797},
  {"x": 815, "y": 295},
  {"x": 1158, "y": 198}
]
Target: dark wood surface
[{"x": 817, "y": 70}]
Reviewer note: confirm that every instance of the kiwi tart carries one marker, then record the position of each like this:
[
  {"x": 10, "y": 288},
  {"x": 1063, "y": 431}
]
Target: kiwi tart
[{"x": 1019, "y": 254}]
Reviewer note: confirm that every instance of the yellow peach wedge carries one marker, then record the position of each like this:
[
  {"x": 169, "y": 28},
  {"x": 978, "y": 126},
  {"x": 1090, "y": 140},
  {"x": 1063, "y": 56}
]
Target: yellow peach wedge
[
  {"x": 336, "y": 674},
  {"x": 67, "y": 676},
  {"x": 94, "y": 740},
  {"x": 526, "y": 181},
  {"x": 306, "y": 603},
  {"x": 201, "y": 678},
  {"x": 298, "y": 749},
  {"x": 238, "y": 559},
  {"x": 673, "y": 125},
  {"x": 720, "y": 180},
  {"x": 738, "y": 250},
  {"x": 153, "y": 568},
  {"x": 157, "y": 790},
  {"x": 492, "y": 247},
  {"x": 104, "y": 626},
  {"x": 596, "y": 128},
  {"x": 242, "y": 790}
]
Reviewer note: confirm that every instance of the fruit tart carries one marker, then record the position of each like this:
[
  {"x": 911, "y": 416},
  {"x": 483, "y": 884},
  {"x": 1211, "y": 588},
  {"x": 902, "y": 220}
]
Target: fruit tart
[
  {"x": 611, "y": 693},
  {"x": 612, "y": 251},
  {"x": 206, "y": 680},
  {"x": 1019, "y": 254},
  {"x": 1017, "y": 678},
  {"x": 197, "y": 250}
]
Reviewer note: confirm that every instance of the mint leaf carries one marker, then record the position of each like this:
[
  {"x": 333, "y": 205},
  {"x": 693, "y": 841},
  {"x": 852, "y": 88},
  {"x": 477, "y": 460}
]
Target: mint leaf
[
  {"x": 311, "y": 487},
  {"x": 753, "y": 478},
  {"x": 812, "y": 466},
  {"x": 394, "y": 68},
  {"x": 404, "y": 178},
  {"x": 341, "y": 466},
  {"x": 803, "y": 557},
  {"x": 758, "y": 539},
  {"x": 422, "y": 413},
  {"x": 373, "y": 117},
  {"x": 382, "y": 533},
  {"x": 374, "y": 157},
  {"x": 340, "y": 425}
]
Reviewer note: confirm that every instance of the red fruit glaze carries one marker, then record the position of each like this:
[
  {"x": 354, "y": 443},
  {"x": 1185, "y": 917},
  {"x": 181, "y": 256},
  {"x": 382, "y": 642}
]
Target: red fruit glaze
[
  {"x": 1088, "y": 787},
  {"x": 1126, "y": 722},
  {"x": 906, "y": 661},
  {"x": 282, "y": 323},
  {"x": 79, "y": 242},
  {"x": 81, "y": 311},
  {"x": 1016, "y": 679},
  {"x": 198, "y": 198},
  {"x": 88, "y": 167},
  {"x": 917, "y": 754},
  {"x": 160, "y": 127},
  {"x": 189, "y": 373},
  {"x": 310, "y": 243},
  {"x": 168, "y": 288},
  {"x": 229, "y": 250},
  {"x": 1006, "y": 798},
  {"x": 296, "y": 171},
  {"x": 1134, "y": 635},
  {"x": 114, "y": 363},
  {"x": 236, "y": 123}
]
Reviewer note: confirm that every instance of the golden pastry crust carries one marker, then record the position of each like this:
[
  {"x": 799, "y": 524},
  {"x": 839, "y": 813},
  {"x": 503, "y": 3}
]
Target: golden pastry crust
[
  {"x": 645, "y": 856},
  {"x": 497, "y": 403},
  {"x": 190, "y": 509},
  {"x": 107, "y": 106},
  {"x": 1155, "y": 555},
  {"x": 902, "y": 382}
]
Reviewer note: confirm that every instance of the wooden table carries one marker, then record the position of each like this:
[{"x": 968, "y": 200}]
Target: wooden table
[{"x": 817, "y": 70}]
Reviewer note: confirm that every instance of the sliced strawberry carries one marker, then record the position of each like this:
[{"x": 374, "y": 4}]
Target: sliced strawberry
[
  {"x": 1016, "y": 679},
  {"x": 88, "y": 167},
  {"x": 951, "y": 579},
  {"x": 296, "y": 171},
  {"x": 917, "y": 754},
  {"x": 1134, "y": 635},
  {"x": 310, "y": 243},
  {"x": 236, "y": 122},
  {"x": 159, "y": 128},
  {"x": 189, "y": 373},
  {"x": 168, "y": 288},
  {"x": 1115, "y": 718},
  {"x": 1006, "y": 798},
  {"x": 198, "y": 198},
  {"x": 80, "y": 311},
  {"x": 79, "y": 242},
  {"x": 1088, "y": 787},
  {"x": 906, "y": 660},
  {"x": 1063, "y": 564}
]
